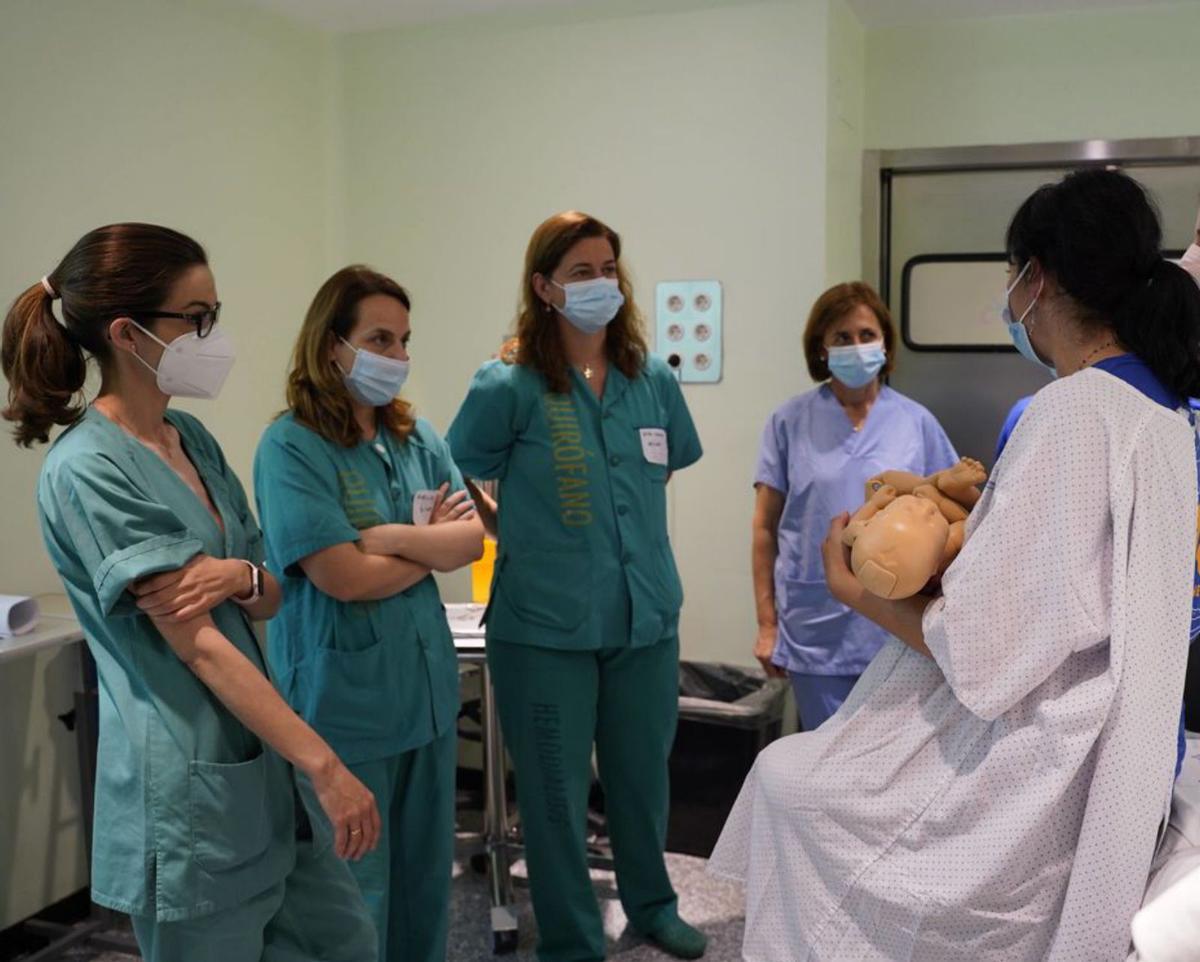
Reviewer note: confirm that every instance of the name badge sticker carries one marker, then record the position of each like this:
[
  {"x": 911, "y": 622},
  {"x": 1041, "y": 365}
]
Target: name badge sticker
[
  {"x": 654, "y": 445},
  {"x": 422, "y": 506}
]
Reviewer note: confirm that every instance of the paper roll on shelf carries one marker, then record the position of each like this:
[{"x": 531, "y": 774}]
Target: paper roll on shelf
[{"x": 18, "y": 615}]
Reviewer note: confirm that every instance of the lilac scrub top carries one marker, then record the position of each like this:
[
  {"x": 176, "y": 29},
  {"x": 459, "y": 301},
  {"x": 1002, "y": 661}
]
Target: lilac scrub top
[{"x": 812, "y": 455}]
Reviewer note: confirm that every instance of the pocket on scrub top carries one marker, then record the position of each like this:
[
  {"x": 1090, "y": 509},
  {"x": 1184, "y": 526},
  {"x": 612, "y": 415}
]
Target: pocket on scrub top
[
  {"x": 230, "y": 824},
  {"x": 343, "y": 691},
  {"x": 655, "y": 472},
  {"x": 549, "y": 588}
]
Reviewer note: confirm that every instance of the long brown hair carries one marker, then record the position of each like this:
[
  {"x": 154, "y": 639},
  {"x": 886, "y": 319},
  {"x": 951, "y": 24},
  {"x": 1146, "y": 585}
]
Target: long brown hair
[
  {"x": 110, "y": 271},
  {"x": 830, "y": 308},
  {"x": 537, "y": 322},
  {"x": 316, "y": 393}
]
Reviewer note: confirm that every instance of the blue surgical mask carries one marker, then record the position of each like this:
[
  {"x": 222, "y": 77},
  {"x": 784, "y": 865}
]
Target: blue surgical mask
[
  {"x": 374, "y": 379},
  {"x": 857, "y": 365},
  {"x": 1016, "y": 326},
  {"x": 591, "y": 305}
]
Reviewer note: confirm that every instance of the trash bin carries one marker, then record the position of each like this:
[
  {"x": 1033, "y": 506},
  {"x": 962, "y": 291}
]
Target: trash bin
[{"x": 727, "y": 715}]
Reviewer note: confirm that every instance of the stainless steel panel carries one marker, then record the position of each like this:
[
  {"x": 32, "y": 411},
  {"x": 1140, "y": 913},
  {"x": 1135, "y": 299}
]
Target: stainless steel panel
[{"x": 960, "y": 200}]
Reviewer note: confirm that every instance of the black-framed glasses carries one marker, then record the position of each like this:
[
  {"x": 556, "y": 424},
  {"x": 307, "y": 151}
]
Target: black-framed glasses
[{"x": 202, "y": 320}]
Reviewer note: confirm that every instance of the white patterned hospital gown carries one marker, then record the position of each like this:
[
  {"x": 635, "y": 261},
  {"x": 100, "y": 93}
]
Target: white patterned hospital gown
[{"x": 1000, "y": 802}]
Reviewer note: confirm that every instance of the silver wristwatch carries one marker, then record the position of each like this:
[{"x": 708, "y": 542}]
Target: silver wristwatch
[{"x": 256, "y": 584}]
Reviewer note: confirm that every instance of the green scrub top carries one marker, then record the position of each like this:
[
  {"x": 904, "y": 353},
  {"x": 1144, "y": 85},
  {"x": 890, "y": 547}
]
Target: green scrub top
[
  {"x": 374, "y": 678},
  {"x": 584, "y": 561},
  {"x": 192, "y": 813}
]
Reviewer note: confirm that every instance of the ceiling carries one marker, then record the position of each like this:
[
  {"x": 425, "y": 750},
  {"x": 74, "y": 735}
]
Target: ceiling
[
  {"x": 879, "y": 13},
  {"x": 352, "y": 15}
]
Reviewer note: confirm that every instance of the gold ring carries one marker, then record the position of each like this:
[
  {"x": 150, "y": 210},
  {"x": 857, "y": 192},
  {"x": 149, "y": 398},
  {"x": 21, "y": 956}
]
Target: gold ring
[{"x": 356, "y": 831}]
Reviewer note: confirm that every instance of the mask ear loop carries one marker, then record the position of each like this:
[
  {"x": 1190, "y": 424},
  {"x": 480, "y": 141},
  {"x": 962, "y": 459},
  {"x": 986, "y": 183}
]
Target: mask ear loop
[
  {"x": 137, "y": 355},
  {"x": 1017, "y": 280},
  {"x": 341, "y": 370},
  {"x": 1032, "y": 304},
  {"x": 1013, "y": 286}
]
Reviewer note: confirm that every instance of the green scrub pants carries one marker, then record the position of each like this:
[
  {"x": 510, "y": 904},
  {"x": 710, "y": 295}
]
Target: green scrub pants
[
  {"x": 315, "y": 914},
  {"x": 406, "y": 880},
  {"x": 553, "y": 706}
]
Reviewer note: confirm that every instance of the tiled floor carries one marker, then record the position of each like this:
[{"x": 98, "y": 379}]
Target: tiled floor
[{"x": 713, "y": 905}]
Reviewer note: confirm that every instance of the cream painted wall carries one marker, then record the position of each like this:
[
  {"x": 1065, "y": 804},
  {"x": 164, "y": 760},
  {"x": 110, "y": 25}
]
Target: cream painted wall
[
  {"x": 699, "y": 135},
  {"x": 204, "y": 116},
  {"x": 846, "y": 117},
  {"x": 1045, "y": 77}
]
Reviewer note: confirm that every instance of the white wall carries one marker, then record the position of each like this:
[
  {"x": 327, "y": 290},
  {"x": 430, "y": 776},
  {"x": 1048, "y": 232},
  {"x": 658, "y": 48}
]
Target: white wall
[{"x": 698, "y": 135}]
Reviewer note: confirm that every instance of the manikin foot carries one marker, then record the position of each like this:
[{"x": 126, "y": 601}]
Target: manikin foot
[{"x": 959, "y": 482}]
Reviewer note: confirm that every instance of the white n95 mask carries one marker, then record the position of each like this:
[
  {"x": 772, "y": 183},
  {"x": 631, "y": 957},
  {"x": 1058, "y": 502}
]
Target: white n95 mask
[{"x": 191, "y": 365}]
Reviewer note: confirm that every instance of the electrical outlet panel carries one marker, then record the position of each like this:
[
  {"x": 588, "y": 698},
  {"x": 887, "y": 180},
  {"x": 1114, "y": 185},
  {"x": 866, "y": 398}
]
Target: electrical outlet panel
[{"x": 688, "y": 324}]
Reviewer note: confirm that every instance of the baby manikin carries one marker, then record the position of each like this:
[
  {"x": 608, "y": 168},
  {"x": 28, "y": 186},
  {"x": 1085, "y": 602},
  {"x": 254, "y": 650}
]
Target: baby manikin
[{"x": 911, "y": 528}]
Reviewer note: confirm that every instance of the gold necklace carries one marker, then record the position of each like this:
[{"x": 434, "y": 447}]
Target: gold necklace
[
  {"x": 588, "y": 371},
  {"x": 1103, "y": 347}
]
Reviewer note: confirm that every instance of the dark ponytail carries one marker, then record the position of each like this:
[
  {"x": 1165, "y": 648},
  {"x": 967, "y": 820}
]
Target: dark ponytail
[
  {"x": 110, "y": 271},
  {"x": 45, "y": 368},
  {"x": 1098, "y": 233},
  {"x": 1160, "y": 323}
]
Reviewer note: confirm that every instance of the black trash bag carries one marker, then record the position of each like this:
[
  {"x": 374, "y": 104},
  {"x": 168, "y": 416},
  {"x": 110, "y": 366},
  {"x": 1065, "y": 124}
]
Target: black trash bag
[
  {"x": 727, "y": 715},
  {"x": 732, "y": 695},
  {"x": 717, "y": 682}
]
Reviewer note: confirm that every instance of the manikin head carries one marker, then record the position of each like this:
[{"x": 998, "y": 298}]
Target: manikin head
[{"x": 900, "y": 548}]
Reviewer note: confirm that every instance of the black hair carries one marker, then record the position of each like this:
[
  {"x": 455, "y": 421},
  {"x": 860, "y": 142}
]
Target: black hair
[{"x": 1097, "y": 231}]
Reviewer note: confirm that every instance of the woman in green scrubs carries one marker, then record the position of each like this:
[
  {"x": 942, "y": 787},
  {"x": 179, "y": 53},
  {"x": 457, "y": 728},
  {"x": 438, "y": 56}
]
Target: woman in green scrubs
[
  {"x": 198, "y": 834},
  {"x": 360, "y": 502},
  {"x": 583, "y": 432}
]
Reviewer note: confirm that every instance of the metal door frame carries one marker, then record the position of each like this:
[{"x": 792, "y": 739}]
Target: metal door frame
[{"x": 880, "y": 167}]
